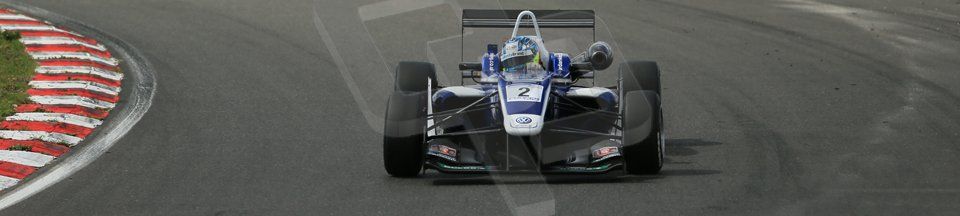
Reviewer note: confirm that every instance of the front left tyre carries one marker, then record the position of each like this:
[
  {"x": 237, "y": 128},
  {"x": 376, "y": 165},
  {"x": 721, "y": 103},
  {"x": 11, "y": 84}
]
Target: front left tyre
[{"x": 405, "y": 119}]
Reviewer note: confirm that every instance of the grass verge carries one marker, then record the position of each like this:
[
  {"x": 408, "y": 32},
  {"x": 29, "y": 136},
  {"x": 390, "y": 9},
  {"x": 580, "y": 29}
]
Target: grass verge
[{"x": 16, "y": 70}]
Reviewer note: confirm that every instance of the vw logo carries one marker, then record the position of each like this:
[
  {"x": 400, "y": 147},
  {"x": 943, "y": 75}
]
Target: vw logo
[{"x": 523, "y": 120}]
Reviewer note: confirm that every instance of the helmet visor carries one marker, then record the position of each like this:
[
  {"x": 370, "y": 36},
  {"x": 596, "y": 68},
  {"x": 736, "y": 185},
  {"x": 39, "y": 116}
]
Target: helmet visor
[{"x": 516, "y": 61}]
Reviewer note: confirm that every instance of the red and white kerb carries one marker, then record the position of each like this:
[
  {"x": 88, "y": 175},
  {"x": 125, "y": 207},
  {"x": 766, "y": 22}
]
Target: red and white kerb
[{"x": 76, "y": 84}]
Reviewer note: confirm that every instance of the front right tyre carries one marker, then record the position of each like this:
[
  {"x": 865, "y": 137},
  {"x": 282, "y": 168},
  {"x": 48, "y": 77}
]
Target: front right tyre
[
  {"x": 405, "y": 119},
  {"x": 642, "y": 118}
]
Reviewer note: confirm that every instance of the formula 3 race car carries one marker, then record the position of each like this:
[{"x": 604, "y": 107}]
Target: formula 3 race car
[{"x": 526, "y": 113}]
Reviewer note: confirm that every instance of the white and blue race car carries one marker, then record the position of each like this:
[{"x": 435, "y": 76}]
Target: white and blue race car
[{"x": 526, "y": 112}]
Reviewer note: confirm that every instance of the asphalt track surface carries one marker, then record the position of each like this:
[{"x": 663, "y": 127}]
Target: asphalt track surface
[{"x": 772, "y": 108}]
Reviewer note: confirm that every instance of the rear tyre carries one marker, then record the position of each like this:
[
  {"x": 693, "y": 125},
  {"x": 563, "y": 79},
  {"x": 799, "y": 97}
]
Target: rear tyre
[
  {"x": 640, "y": 75},
  {"x": 403, "y": 139},
  {"x": 642, "y": 117},
  {"x": 412, "y": 76}
]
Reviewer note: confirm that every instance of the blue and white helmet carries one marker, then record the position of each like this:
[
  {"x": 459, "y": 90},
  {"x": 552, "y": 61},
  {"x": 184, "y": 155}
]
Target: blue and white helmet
[{"x": 520, "y": 53}]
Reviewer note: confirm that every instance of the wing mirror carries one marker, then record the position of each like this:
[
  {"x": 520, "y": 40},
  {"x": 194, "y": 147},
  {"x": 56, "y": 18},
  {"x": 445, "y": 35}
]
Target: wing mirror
[{"x": 600, "y": 55}]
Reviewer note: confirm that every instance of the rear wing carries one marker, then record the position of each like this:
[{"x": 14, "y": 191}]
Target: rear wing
[
  {"x": 482, "y": 18},
  {"x": 473, "y": 18}
]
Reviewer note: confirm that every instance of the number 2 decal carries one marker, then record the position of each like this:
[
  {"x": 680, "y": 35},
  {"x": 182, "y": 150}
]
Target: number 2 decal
[{"x": 524, "y": 91}]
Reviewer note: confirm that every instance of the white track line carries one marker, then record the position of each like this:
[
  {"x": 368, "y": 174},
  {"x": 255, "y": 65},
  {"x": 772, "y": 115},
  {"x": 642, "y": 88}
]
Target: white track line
[
  {"x": 26, "y": 158},
  {"x": 16, "y": 17},
  {"x": 59, "y": 41},
  {"x": 74, "y": 55},
  {"x": 66, "y": 118},
  {"x": 40, "y": 135},
  {"x": 76, "y": 84},
  {"x": 393, "y": 7},
  {"x": 35, "y": 28},
  {"x": 6, "y": 182},
  {"x": 80, "y": 70},
  {"x": 72, "y": 100}
]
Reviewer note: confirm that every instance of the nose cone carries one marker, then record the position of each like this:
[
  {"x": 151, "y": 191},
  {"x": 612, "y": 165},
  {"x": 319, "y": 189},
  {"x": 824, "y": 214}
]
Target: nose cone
[{"x": 523, "y": 124}]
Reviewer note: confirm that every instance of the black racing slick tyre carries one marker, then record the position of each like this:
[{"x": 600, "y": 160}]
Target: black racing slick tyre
[
  {"x": 642, "y": 132},
  {"x": 642, "y": 117},
  {"x": 640, "y": 75},
  {"x": 412, "y": 76},
  {"x": 405, "y": 119}
]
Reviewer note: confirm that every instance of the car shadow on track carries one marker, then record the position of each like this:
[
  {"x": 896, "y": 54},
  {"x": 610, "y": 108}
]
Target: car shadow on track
[
  {"x": 686, "y": 147},
  {"x": 674, "y": 148},
  {"x": 444, "y": 180}
]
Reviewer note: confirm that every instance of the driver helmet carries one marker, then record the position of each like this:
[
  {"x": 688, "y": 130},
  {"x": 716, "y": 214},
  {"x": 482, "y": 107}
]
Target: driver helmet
[{"x": 520, "y": 54}]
